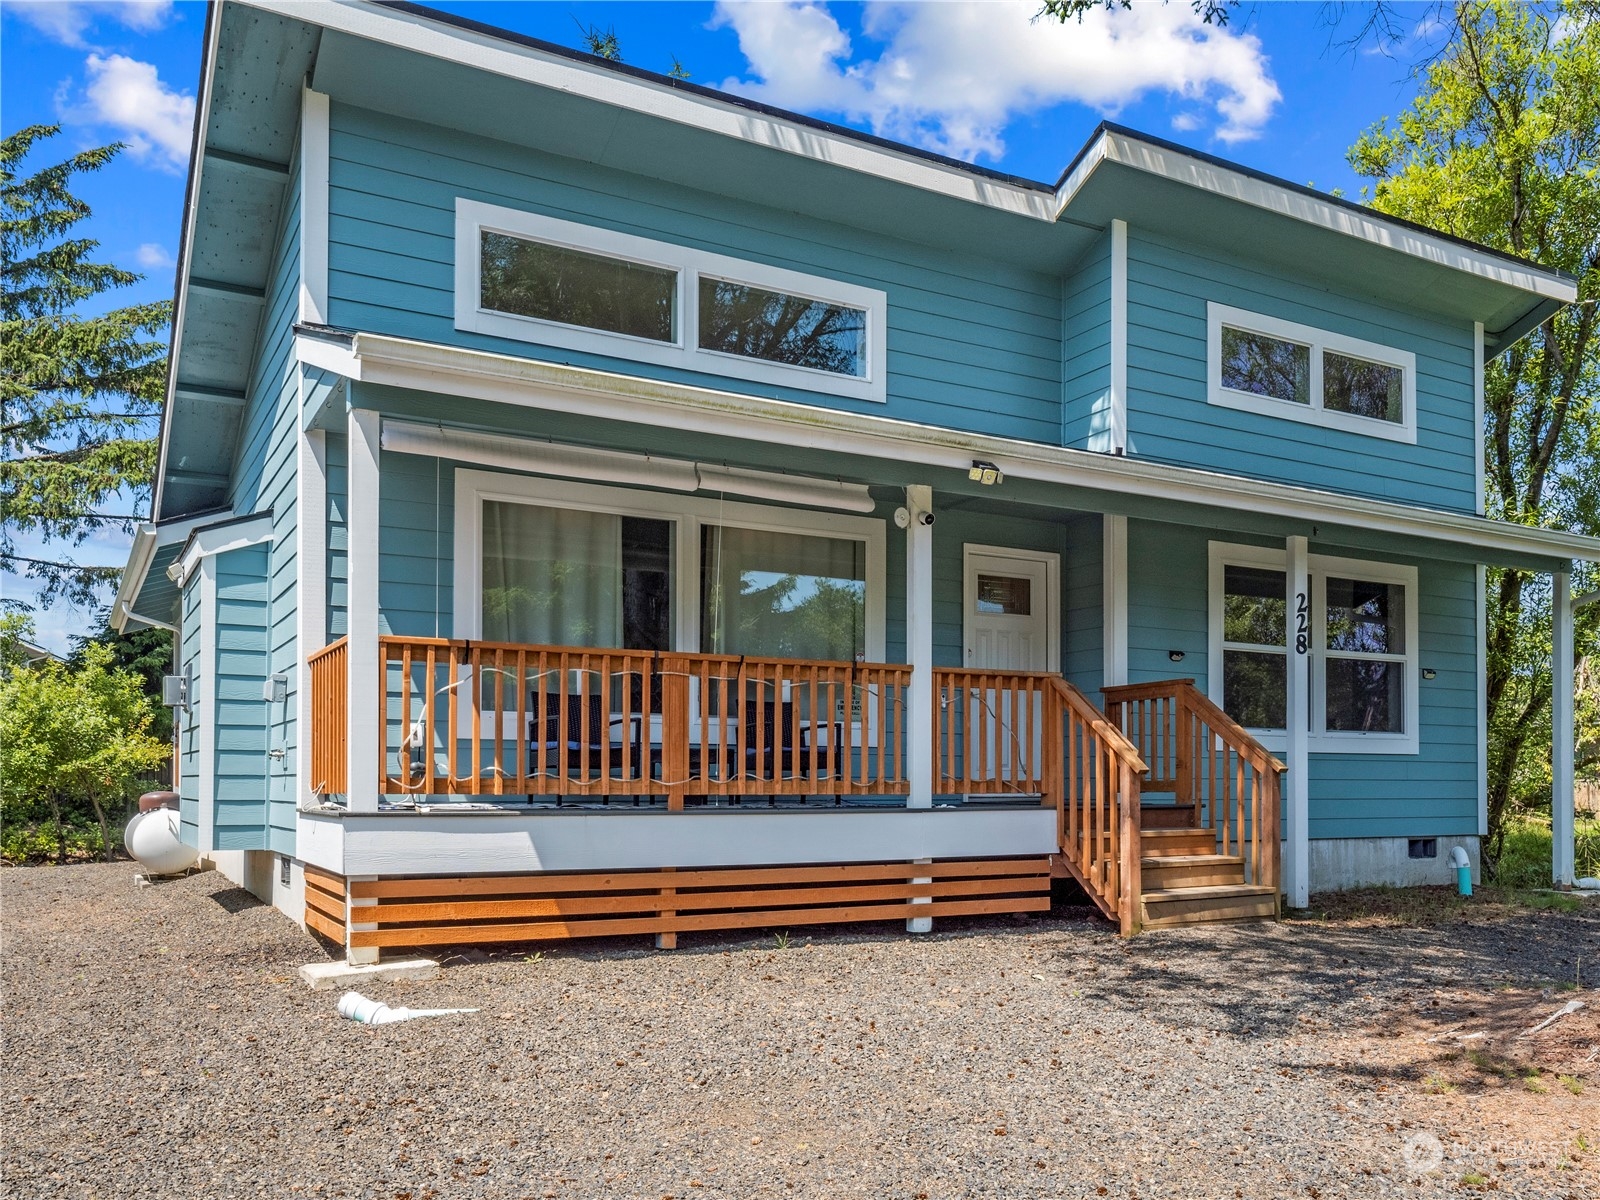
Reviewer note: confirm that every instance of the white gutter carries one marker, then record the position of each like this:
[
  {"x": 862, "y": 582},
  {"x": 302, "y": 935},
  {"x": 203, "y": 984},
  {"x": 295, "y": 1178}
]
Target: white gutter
[
  {"x": 401, "y": 362},
  {"x": 147, "y": 539}
]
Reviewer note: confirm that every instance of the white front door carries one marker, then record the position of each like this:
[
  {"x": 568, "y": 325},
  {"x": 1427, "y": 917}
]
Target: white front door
[{"x": 1011, "y": 622}]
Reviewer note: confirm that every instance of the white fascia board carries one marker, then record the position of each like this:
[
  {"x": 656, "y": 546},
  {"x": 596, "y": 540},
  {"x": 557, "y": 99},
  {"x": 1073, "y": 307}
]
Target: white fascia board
[
  {"x": 400, "y": 362},
  {"x": 180, "y": 305},
  {"x": 139, "y": 556},
  {"x": 418, "y": 34},
  {"x": 1167, "y": 163},
  {"x": 219, "y": 539}
]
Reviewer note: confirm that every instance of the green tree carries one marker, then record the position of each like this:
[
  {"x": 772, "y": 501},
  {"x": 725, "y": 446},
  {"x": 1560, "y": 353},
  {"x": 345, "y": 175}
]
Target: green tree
[
  {"x": 75, "y": 741},
  {"x": 1502, "y": 146},
  {"x": 79, "y": 394},
  {"x": 146, "y": 651}
]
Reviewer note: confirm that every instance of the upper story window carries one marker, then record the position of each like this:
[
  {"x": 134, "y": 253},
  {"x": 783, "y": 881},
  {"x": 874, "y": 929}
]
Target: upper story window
[
  {"x": 559, "y": 283},
  {"x": 1279, "y": 368}
]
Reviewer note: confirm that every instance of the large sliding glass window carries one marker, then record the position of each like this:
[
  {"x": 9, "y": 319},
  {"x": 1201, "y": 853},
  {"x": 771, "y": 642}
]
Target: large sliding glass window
[
  {"x": 566, "y": 577},
  {"x": 782, "y": 595}
]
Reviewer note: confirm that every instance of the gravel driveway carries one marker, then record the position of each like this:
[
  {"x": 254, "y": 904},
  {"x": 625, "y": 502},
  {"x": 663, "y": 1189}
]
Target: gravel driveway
[{"x": 159, "y": 1044}]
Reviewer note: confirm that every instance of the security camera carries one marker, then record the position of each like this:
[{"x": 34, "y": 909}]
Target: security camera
[{"x": 925, "y": 518}]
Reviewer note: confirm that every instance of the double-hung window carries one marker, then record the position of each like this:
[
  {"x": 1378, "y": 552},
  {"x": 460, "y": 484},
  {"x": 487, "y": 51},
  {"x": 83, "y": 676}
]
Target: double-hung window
[
  {"x": 1361, "y": 641},
  {"x": 561, "y": 283},
  {"x": 1278, "y": 368}
]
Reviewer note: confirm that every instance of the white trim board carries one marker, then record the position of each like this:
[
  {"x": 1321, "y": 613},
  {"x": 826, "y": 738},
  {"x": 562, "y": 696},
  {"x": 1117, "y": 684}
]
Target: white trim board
[
  {"x": 1114, "y": 599},
  {"x": 1119, "y": 337},
  {"x": 606, "y": 395},
  {"x": 688, "y": 265},
  {"x": 147, "y": 539},
  {"x": 1320, "y": 566},
  {"x": 467, "y": 843},
  {"x": 1317, "y": 341},
  {"x": 313, "y": 207}
]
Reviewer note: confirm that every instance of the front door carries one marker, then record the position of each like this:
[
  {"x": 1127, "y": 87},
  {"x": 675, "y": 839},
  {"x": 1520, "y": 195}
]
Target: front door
[{"x": 1010, "y": 623}]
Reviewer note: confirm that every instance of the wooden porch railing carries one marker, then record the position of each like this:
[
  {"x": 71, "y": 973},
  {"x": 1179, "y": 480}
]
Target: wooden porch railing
[
  {"x": 1228, "y": 781},
  {"x": 493, "y": 719},
  {"x": 1027, "y": 733},
  {"x": 329, "y": 708}
]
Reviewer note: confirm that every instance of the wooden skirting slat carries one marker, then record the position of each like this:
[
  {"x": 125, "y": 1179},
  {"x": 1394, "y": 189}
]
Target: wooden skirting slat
[
  {"x": 515, "y": 908},
  {"x": 333, "y": 884},
  {"x": 317, "y": 923},
  {"x": 447, "y": 935},
  {"x": 603, "y": 881}
]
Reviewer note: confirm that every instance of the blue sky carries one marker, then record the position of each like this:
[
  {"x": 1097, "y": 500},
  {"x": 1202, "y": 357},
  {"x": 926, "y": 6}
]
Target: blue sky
[{"x": 1275, "y": 90}]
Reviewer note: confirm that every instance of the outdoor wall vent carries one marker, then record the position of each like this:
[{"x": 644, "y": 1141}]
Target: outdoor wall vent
[
  {"x": 1422, "y": 848},
  {"x": 283, "y": 870}
]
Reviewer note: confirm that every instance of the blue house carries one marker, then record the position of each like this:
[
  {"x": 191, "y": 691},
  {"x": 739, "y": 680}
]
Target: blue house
[{"x": 591, "y": 503}]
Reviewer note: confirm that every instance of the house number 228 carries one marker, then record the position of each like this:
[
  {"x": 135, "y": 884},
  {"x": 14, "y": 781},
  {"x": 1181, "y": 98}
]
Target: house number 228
[{"x": 1302, "y": 624}]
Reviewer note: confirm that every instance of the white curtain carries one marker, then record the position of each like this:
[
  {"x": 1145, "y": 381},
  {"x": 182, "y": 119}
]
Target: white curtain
[
  {"x": 788, "y": 595},
  {"x": 551, "y": 576}
]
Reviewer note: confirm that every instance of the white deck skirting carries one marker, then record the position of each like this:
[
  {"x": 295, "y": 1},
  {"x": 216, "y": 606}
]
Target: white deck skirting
[{"x": 489, "y": 842}]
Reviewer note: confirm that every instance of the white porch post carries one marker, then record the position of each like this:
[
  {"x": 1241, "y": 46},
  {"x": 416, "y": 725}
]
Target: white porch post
[
  {"x": 1297, "y": 640},
  {"x": 1562, "y": 747},
  {"x": 919, "y": 653},
  {"x": 362, "y": 714}
]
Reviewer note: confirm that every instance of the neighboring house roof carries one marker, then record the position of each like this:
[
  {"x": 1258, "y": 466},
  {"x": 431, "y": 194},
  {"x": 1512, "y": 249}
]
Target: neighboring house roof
[
  {"x": 432, "y": 66},
  {"x": 35, "y": 655}
]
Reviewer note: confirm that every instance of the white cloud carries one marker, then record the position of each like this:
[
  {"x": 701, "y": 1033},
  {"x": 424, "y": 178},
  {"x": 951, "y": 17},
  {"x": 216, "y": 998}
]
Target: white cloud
[
  {"x": 1188, "y": 122},
  {"x": 69, "y": 21},
  {"x": 153, "y": 256},
  {"x": 128, "y": 95},
  {"x": 952, "y": 76}
]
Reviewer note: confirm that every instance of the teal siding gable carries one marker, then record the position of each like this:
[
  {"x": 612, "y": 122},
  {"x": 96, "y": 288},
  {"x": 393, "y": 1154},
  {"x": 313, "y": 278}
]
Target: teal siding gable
[
  {"x": 971, "y": 344},
  {"x": 1170, "y": 420}
]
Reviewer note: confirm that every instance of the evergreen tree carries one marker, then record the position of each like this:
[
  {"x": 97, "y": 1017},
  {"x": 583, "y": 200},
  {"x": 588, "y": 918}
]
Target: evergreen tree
[{"x": 80, "y": 394}]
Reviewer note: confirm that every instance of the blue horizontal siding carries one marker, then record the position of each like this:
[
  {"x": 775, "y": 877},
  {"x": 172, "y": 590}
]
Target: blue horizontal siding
[
  {"x": 1170, "y": 420},
  {"x": 971, "y": 344},
  {"x": 1429, "y": 794},
  {"x": 242, "y": 725},
  {"x": 1086, "y": 351}
]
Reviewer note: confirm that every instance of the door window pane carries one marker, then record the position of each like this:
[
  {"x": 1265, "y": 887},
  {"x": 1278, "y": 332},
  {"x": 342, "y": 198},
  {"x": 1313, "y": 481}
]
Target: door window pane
[
  {"x": 783, "y": 595},
  {"x": 1005, "y": 595},
  {"x": 1366, "y": 618},
  {"x": 553, "y": 283},
  {"x": 1253, "y": 606},
  {"x": 1367, "y": 389},
  {"x": 1255, "y": 688},
  {"x": 753, "y": 322},
  {"x": 1265, "y": 366},
  {"x": 1365, "y": 695}
]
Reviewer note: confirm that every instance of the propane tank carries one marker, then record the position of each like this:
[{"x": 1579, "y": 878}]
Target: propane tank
[{"x": 154, "y": 836}]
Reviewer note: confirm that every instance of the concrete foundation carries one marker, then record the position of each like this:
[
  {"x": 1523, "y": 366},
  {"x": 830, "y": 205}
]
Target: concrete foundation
[
  {"x": 1338, "y": 864},
  {"x": 325, "y": 976},
  {"x": 257, "y": 872}
]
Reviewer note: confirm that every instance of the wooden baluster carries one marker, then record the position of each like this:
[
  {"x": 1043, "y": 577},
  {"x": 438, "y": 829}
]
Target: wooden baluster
[
  {"x": 675, "y": 733},
  {"x": 520, "y": 686}
]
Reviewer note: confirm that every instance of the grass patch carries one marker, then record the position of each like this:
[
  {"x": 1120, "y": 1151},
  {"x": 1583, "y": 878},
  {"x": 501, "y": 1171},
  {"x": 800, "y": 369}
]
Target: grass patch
[
  {"x": 1525, "y": 854},
  {"x": 1572, "y": 1083},
  {"x": 1426, "y": 906},
  {"x": 1437, "y": 1085},
  {"x": 1473, "y": 1179},
  {"x": 1536, "y": 1084}
]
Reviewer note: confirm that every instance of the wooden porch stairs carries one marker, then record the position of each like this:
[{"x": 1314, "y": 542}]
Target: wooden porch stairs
[{"x": 1185, "y": 881}]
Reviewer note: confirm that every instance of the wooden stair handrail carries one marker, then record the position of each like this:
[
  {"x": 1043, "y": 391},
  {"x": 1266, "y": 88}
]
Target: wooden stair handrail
[
  {"x": 1240, "y": 738},
  {"x": 1096, "y": 720}
]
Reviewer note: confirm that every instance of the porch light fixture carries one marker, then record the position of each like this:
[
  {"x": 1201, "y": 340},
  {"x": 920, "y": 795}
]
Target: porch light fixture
[
  {"x": 985, "y": 473},
  {"x": 1174, "y": 655}
]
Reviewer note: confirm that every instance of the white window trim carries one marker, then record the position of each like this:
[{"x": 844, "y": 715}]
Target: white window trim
[
  {"x": 1318, "y": 340},
  {"x": 1319, "y": 739},
  {"x": 474, "y": 217}
]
